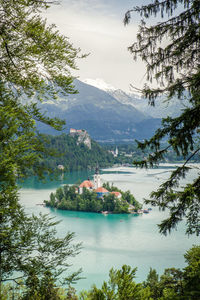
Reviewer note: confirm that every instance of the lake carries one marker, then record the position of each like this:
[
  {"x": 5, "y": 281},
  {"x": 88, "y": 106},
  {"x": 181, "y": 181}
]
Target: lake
[{"x": 113, "y": 240}]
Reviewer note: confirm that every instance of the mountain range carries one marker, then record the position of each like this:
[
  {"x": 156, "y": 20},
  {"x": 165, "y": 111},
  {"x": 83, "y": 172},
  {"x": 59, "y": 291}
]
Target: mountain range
[
  {"x": 108, "y": 115},
  {"x": 162, "y": 108}
]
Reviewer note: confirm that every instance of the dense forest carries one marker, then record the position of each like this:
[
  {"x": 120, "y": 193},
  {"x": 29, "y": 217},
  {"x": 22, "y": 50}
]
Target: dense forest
[
  {"x": 68, "y": 198},
  {"x": 64, "y": 150},
  {"x": 73, "y": 156}
]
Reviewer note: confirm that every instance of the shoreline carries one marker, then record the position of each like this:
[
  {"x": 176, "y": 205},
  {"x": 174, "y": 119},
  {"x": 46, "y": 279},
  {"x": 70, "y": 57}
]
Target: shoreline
[{"x": 136, "y": 213}]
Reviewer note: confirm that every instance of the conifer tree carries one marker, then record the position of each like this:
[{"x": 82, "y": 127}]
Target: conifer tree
[
  {"x": 171, "y": 51},
  {"x": 35, "y": 60}
]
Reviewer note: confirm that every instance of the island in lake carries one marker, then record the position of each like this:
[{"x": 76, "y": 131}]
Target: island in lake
[{"x": 92, "y": 196}]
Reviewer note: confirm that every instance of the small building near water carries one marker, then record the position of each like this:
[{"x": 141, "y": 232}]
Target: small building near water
[
  {"x": 88, "y": 184},
  {"x": 101, "y": 192}
]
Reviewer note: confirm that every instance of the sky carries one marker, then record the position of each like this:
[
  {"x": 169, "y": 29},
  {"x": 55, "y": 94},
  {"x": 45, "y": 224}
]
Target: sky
[{"x": 96, "y": 26}]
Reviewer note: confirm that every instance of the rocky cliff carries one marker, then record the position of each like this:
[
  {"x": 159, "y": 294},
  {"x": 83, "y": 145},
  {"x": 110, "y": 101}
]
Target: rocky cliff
[{"x": 82, "y": 137}]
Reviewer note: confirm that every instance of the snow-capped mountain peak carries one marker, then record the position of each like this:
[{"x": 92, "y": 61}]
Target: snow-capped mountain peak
[
  {"x": 162, "y": 108},
  {"x": 100, "y": 84}
]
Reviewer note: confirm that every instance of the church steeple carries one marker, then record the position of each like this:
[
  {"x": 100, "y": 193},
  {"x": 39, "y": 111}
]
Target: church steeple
[
  {"x": 97, "y": 170},
  {"x": 97, "y": 179}
]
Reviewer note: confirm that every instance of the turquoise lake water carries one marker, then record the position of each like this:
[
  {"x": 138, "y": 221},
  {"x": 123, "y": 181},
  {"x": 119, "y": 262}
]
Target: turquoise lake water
[{"x": 114, "y": 240}]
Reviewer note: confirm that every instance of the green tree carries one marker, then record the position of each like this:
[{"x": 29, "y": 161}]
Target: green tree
[
  {"x": 32, "y": 249},
  {"x": 35, "y": 56},
  {"x": 120, "y": 286},
  {"x": 172, "y": 284},
  {"x": 191, "y": 274},
  {"x": 152, "y": 282},
  {"x": 176, "y": 283},
  {"x": 35, "y": 61},
  {"x": 171, "y": 52},
  {"x": 109, "y": 202}
]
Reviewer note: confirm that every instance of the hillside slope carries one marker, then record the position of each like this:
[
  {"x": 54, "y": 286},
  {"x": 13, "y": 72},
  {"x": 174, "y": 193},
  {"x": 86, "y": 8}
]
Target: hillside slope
[
  {"x": 73, "y": 155},
  {"x": 103, "y": 116}
]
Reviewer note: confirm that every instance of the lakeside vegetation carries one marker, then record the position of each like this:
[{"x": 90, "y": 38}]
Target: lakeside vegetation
[
  {"x": 73, "y": 156},
  {"x": 67, "y": 198},
  {"x": 64, "y": 150},
  {"x": 173, "y": 284},
  {"x": 130, "y": 152}
]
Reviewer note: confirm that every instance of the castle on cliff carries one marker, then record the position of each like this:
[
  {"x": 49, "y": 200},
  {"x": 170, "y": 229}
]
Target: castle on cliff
[{"x": 82, "y": 136}]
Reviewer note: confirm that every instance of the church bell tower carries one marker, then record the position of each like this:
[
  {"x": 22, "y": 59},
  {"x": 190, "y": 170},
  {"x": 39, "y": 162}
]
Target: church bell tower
[{"x": 97, "y": 179}]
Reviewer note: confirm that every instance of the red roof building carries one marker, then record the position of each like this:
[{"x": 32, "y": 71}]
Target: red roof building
[
  {"x": 86, "y": 184},
  {"x": 101, "y": 190}
]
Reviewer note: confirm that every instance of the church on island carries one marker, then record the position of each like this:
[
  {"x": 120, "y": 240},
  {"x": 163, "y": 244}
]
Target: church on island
[
  {"x": 95, "y": 186},
  {"x": 94, "y": 196}
]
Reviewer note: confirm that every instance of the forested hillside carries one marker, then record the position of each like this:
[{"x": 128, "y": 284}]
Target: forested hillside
[{"x": 74, "y": 156}]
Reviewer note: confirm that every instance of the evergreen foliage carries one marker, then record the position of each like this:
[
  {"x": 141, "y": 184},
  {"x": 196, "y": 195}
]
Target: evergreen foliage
[
  {"x": 74, "y": 156},
  {"x": 126, "y": 196},
  {"x": 171, "y": 51},
  {"x": 172, "y": 284},
  {"x": 67, "y": 198},
  {"x": 35, "y": 58}
]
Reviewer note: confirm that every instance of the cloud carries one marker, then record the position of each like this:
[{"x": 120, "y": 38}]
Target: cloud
[{"x": 96, "y": 28}]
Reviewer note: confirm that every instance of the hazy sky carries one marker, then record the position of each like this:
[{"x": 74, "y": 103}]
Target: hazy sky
[{"x": 96, "y": 26}]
